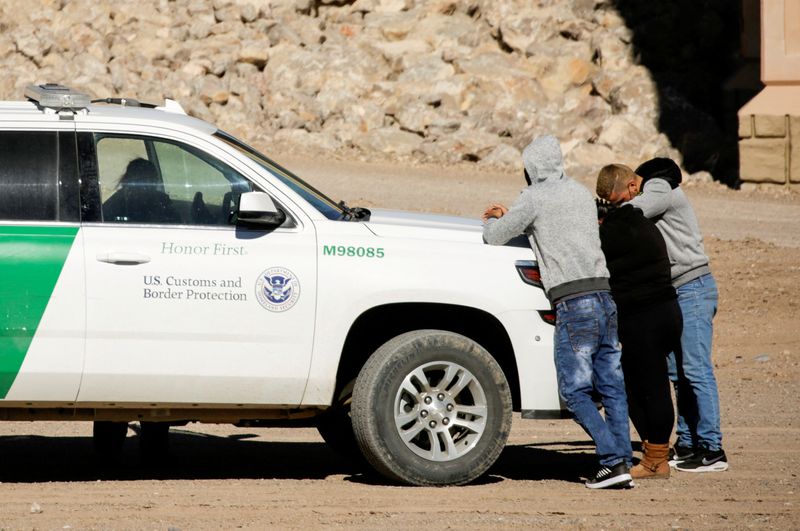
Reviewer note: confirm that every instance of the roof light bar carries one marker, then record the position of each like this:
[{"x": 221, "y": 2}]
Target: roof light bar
[{"x": 55, "y": 96}]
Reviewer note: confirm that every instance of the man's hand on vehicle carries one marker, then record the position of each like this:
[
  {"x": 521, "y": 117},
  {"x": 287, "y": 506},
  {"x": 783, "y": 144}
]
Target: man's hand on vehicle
[{"x": 495, "y": 210}]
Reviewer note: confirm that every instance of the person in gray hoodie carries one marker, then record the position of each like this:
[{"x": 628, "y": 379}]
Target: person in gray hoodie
[
  {"x": 656, "y": 191},
  {"x": 559, "y": 217}
]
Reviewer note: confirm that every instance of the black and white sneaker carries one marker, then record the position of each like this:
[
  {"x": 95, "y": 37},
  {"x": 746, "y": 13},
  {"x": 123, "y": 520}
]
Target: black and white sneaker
[
  {"x": 678, "y": 454},
  {"x": 705, "y": 461},
  {"x": 617, "y": 477}
]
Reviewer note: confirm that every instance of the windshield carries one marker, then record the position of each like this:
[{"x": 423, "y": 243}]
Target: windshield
[{"x": 318, "y": 200}]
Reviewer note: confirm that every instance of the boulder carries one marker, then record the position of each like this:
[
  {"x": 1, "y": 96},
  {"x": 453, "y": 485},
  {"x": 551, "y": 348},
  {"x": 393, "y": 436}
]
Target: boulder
[
  {"x": 364, "y": 116},
  {"x": 393, "y": 51},
  {"x": 494, "y": 65},
  {"x": 416, "y": 116},
  {"x": 439, "y": 80},
  {"x": 391, "y": 26},
  {"x": 622, "y": 136},
  {"x": 590, "y": 155},
  {"x": 427, "y": 70},
  {"x": 30, "y": 45},
  {"x": 211, "y": 90},
  {"x": 388, "y": 140},
  {"x": 447, "y": 30},
  {"x": 474, "y": 144},
  {"x": 503, "y": 155},
  {"x": 254, "y": 52}
]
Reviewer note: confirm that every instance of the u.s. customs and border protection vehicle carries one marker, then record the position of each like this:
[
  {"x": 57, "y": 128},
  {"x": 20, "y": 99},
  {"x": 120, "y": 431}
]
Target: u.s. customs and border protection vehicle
[{"x": 155, "y": 269}]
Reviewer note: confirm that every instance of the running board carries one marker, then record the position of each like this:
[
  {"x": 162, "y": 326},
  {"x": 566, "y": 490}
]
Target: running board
[{"x": 546, "y": 414}]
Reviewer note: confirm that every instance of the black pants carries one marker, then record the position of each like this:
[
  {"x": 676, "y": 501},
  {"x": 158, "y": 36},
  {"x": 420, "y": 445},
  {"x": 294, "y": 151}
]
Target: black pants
[{"x": 648, "y": 334}]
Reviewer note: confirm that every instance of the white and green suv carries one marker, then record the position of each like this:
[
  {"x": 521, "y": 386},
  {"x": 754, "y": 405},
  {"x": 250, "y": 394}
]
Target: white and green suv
[{"x": 155, "y": 269}]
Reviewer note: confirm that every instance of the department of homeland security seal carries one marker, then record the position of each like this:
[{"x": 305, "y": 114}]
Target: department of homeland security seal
[{"x": 277, "y": 289}]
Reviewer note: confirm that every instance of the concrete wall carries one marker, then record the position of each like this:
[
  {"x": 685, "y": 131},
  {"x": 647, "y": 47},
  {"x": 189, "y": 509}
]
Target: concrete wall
[
  {"x": 769, "y": 124},
  {"x": 769, "y": 148}
]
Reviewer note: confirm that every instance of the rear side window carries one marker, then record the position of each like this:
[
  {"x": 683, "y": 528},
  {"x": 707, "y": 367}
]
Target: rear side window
[{"x": 31, "y": 165}]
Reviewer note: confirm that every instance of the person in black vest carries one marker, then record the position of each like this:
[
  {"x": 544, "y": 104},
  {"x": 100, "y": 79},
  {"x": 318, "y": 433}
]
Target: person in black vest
[{"x": 650, "y": 321}]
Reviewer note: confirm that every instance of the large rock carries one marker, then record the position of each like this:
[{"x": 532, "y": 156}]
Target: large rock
[
  {"x": 391, "y": 26},
  {"x": 622, "y": 136},
  {"x": 503, "y": 155},
  {"x": 592, "y": 155},
  {"x": 389, "y": 141},
  {"x": 393, "y": 51},
  {"x": 428, "y": 69},
  {"x": 439, "y": 80},
  {"x": 254, "y": 52},
  {"x": 416, "y": 117}
]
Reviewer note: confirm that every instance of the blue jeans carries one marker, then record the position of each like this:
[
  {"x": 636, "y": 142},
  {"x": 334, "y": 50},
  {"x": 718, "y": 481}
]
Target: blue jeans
[
  {"x": 588, "y": 357},
  {"x": 691, "y": 370}
]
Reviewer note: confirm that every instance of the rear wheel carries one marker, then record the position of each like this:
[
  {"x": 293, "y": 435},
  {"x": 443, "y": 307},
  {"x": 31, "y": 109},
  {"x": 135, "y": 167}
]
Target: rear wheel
[{"x": 431, "y": 408}]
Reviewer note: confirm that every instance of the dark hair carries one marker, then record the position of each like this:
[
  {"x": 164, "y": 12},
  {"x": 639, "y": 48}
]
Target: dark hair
[
  {"x": 660, "y": 168},
  {"x": 139, "y": 172},
  {"x": 527, "y": 177}
]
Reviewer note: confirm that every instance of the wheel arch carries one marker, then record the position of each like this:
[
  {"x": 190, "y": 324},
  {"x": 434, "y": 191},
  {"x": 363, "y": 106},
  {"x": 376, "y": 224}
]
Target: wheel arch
[{"x": 378, "y": 325}]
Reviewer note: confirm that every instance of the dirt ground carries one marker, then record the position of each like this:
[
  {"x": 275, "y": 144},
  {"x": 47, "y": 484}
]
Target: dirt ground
[{"x": 226, "y": 477}]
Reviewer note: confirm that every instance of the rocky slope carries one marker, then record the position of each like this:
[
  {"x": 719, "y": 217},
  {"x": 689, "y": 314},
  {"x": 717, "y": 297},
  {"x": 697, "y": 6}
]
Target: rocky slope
[{"x": 424, "y": 80}]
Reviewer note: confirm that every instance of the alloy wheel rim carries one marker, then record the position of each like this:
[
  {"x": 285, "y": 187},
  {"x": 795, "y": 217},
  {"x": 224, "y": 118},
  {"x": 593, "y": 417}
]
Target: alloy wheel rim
[{"x": 440, "y": 411}]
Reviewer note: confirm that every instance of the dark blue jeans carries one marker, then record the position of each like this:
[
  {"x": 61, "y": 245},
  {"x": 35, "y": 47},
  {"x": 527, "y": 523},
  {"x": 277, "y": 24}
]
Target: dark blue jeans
[{"x": 588, "y": 357}]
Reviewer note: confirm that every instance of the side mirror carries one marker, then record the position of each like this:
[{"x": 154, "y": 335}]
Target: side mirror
[{"x": 258, "y": 209}]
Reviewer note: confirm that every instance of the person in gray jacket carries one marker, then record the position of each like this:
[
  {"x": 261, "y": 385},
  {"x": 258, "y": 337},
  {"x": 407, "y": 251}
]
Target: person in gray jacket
[
  {"x": 558, "y": 215},
  {"x": 699, "y": 444}
]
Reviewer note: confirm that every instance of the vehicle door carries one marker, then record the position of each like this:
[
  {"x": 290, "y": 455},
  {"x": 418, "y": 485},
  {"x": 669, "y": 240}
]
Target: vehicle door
[
  {"x": 183, "y": 305},
  {"x": 42, "y": 291}
]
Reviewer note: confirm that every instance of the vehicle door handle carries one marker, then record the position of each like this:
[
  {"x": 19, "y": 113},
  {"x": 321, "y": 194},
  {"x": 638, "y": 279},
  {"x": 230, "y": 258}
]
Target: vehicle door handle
[{"x": 123, "y": 258}]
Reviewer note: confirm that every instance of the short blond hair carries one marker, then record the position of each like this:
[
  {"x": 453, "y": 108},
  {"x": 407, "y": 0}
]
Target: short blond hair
[{"x": 613, "y": 178}]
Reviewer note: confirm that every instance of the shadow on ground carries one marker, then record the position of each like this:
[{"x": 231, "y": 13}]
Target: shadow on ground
[
  {"x": 693, "y": 51},
  {"x": 36, "y": 459}
]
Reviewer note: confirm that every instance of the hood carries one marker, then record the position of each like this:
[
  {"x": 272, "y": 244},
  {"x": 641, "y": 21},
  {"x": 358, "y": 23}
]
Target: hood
[
  {"x": 419, "y": 226},
  {"x": 543, "y": 160},
  {"x": 660, "y": 168},
  {"x": 426, "y": 226}
]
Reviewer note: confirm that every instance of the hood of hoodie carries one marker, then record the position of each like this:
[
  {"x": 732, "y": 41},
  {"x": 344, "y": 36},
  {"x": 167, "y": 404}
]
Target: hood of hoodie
[
  {"x": 543, "y": 161},
  {"x": 660, "y": 168}
]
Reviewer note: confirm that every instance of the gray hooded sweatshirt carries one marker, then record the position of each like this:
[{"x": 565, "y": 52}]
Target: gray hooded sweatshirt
[
  {"x": 559, "y": 216},
  {"x": 675, "y": 218}
]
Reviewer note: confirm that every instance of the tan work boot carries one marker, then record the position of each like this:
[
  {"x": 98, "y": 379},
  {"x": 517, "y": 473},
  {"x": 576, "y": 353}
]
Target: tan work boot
[{"x": 654, "y": 463}]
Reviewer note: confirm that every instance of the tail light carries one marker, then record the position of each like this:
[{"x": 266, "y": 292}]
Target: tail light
[
  {"x": 548, "y": 316},
  {"x": 529, "y": 272}
]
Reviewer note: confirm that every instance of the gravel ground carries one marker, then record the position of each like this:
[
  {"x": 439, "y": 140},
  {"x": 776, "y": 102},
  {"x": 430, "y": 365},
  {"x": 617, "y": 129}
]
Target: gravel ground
[{"x": 227, "y": 477}]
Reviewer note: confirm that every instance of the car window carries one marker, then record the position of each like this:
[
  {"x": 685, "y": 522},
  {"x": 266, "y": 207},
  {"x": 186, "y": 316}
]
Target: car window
[
  {"x": 32, "y": 163},
  {"x": 148, "y": 180},
  {"x": 327, "y": 206}
]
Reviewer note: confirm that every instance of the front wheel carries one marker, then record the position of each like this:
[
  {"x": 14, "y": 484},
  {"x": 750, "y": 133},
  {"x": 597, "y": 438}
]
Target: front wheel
[
  {"x": 336, "y": 428},
  {"x": 431, "y": 408}
]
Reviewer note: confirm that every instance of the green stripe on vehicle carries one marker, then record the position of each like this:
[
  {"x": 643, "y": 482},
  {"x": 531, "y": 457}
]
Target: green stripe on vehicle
[{"x": 31, "y": 260}]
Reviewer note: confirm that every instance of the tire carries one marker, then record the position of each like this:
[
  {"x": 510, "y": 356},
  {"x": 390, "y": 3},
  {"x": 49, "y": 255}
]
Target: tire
[
  {"x": 431, "y": 408},
  {"x": 108, "y": 438},
  {"x": 336, "y": 429}
]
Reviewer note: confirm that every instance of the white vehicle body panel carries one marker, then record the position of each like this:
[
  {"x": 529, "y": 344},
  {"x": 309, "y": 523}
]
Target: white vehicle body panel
[
  {"x": 153, "y": 338},
  {"x": 175, "y": 350},
  {"x": 430, "y": 259},
  {"x": 139, "y": 350},
  {"x": 52, "y": 368}
]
